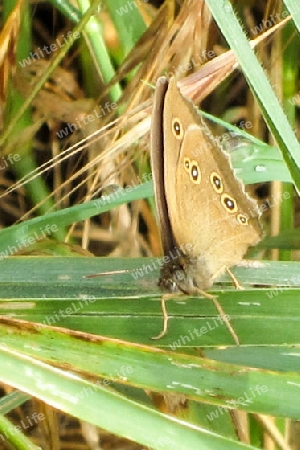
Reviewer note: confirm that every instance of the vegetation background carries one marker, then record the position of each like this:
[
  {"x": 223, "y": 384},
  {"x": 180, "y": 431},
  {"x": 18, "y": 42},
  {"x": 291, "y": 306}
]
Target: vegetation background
[{"x": 78, "y": 366}]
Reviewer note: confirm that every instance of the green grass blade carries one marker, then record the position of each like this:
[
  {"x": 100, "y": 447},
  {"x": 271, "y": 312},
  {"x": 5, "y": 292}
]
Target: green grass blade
[
  {"x": 55, "y": 62},
  {"x": 260, "y": 86},
  {"x": 253, "y": 160},
  {"x": 119, "y": 361},
  {"x": 104, "y": 407},
  {"x": 14, "y": 436},
  {"x": 293, "y": 7},
  {"x": 128, "y": 21},
  {"x": 18, "y": 237},
  {"x": 117, "y": 305},
  {"x": 68, "y": 10},
  {"x": 12, "y": 401},
  {"x": 94, "y": 35}
]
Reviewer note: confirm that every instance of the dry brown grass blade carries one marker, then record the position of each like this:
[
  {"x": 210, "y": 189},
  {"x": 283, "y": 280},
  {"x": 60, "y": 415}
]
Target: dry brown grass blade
[
  {"x": 133, "y": 125},
  {"x": 189, "y": 30},
  {"x": 272, "y": 431},
  {"x": 200, "y": 84},
  {"x": 138, "y": 126},
  {"x": 161, "y": 47},
  {"x": 167, "y": 52},
  {"x": 148, "y": 45},
  {"x": 137, "y": 119},
  {"x": 8, "y": 47},
  {"x": 60, "y": 99}
]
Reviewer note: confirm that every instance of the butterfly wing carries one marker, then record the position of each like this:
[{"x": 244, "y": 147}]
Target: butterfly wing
[
  {"x": 157, "y": 164},
  {"x": 208, "y": 209}
]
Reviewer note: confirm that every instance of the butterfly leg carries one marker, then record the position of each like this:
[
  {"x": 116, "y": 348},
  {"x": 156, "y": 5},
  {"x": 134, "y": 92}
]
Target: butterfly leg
[
  {"x": 164, "y": 298},
  {"x": 222, "y": 314},
  {"x": 234, "y": 279}
]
